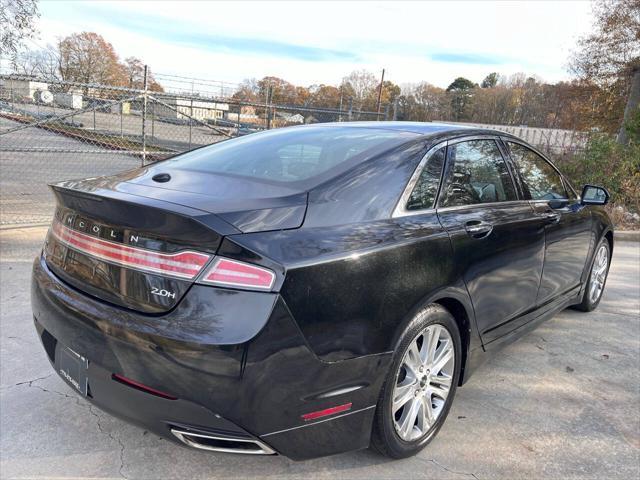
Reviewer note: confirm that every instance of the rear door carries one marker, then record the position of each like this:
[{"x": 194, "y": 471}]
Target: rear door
[
  {"x": 497, "y": 241},
  {"x": 567, "y": 222}
]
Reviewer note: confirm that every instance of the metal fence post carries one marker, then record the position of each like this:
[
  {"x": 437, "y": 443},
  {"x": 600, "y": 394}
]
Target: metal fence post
[
  {"x": 144, "y": 117},
  {"x": 268, "y": 106},
  {"x": 350, "y": 116},
  {"x": 190, "y": 122}
]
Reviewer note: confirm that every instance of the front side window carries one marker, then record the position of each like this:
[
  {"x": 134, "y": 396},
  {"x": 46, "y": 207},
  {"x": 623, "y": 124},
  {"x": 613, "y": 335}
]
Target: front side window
[
  {"x": 477, "y": 174},
  {"x": 540, "y": 178},
  {"x": 426, "y": 188}
]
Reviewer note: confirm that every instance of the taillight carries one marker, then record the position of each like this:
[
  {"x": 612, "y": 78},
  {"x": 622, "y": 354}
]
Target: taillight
[
  {"x": 185, "y": 264},
  {"x": 232, "y": 273}
]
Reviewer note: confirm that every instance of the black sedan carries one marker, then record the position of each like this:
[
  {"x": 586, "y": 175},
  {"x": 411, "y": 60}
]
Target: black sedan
[{"x": 311, "y": 290}]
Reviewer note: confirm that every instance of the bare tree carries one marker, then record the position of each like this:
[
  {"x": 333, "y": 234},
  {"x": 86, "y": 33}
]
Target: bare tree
[
  {"x": 359, "y": 85},
  {"x": 43, "y": 63},
  {"x": 17, "y": 23},
  {"x": 610, "y": 56}
]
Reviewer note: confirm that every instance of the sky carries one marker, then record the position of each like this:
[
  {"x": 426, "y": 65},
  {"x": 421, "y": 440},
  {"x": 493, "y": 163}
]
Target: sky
[{"x": 320, "y": 42}]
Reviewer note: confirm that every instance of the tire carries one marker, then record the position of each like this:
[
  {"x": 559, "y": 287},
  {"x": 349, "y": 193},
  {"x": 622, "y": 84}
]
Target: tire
[
  {"x": 394, "y": 433},
  {"x": 597, "y": 281}
]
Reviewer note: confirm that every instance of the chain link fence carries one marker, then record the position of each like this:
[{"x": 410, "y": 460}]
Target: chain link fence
[{"x": 53, "y": 131}]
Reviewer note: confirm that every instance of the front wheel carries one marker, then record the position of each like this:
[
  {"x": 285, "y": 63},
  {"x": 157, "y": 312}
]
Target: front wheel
[
  {"x": 420, "y": 384},
  {"x": 597, "y": 278}
]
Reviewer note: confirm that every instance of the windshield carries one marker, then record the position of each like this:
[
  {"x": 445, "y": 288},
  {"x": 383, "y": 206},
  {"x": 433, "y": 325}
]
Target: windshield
[{"x": 292, "y": 155}]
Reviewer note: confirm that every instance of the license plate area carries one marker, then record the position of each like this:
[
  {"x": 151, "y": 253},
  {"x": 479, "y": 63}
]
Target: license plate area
[{"x": 72, "y": 367}]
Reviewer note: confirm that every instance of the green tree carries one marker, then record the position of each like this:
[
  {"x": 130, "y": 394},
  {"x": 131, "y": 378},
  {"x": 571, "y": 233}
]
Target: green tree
[
  {"x": 461, "y": 93},
  {"x": 490, "y": 81}
]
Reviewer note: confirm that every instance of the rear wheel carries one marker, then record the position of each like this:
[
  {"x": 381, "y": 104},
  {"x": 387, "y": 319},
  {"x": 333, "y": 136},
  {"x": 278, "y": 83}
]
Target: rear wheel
[
  {"x": 420, "y": 385},
  {"x": 597, "y": 278}
]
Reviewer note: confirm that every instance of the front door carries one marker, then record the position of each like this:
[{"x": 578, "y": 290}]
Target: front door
[
  {"x": 498, "y": 242},
  {"x": 568, "y": 223}
]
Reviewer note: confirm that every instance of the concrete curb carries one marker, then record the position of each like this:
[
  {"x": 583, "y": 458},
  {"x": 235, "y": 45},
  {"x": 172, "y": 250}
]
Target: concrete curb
[{"x": 627, "y": 236}]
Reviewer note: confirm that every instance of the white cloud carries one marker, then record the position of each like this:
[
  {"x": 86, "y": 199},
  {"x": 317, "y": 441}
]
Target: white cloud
[{"x": 533, "y": 37}]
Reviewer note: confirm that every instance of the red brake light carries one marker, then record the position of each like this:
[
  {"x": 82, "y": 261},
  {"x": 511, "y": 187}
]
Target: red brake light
[
  {"x": 185, "y": 264},
  {"x": 326, "y": 412},
  {"x": 140, "y": 386},
  {"x": 232, "y": 273}
]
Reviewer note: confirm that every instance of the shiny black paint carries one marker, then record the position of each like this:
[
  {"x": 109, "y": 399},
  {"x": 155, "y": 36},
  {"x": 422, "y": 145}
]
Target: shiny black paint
[
  {"x": 349, "y": 276},
  {"x": 501, "y": 270},
  {"x": 567, "y": 245}
]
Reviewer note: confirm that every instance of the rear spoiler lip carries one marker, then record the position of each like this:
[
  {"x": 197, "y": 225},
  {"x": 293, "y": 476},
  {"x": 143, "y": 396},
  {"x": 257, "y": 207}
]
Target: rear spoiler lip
[{"x": 207, "y": 219}]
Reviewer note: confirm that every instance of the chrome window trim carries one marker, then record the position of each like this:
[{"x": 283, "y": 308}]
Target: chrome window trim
[
  {"x": 400, "y": 210},
  {"x": 470, "y": 138},
  {"x": 509, "y": 203},
  {"x": 565, "y": 182}
]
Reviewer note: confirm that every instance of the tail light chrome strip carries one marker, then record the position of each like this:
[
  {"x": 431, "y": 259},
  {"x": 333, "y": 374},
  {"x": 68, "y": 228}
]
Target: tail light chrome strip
[{"x": 186, "y": 264}]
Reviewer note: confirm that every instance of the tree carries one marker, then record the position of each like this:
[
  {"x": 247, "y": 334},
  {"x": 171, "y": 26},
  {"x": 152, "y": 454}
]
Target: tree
[
  {"x": 17, "y": 23},
  {"x": 359, "y": 85},
  {"x": 610, "y": 56},
  {"x": 134, "y": 70},
  {"x": 282, "y": 92},
  {"x": 88, "y": 58},
  {"x": 461, "y": 90},
  {"x": 324, "y": 96},
  {"x": 390, "y": 91},
  {"x": 461, "y": 84},
  {"x": 490, "y": 81}
]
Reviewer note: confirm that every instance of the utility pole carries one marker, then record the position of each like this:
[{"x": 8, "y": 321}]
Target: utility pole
[{"x": 380, "y": 93}]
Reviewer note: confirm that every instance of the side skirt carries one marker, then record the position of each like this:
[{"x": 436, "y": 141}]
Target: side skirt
[{"x": 479, "y": 356}]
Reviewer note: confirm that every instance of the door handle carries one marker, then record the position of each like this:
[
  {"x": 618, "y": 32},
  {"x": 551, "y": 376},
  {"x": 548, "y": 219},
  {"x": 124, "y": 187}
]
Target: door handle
[
  {"x": 478, "y": 228},
  {"x": 550, "y": 217}
]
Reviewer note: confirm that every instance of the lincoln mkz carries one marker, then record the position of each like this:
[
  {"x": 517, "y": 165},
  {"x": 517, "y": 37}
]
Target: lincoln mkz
[{"x": 311, "y": 290}]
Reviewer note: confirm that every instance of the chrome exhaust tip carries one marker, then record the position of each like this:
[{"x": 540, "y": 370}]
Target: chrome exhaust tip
[{"x": 202, "y": 441}]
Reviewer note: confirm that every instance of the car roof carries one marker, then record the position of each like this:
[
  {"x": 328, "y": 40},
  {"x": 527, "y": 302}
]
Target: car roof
[{"x": 421, "y": 128}]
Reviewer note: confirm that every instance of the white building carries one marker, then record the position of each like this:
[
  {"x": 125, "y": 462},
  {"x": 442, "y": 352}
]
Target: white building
[
  {"x": 69, "y": 100},
  {"x": 184, "y": 108},
  {"x": 19, "y": 88}
]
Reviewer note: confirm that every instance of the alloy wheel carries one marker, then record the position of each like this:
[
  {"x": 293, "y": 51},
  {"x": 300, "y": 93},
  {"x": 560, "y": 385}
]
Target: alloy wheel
[
  {"x": 598, "y": 274},
  {"x": 423, "y": 382}
]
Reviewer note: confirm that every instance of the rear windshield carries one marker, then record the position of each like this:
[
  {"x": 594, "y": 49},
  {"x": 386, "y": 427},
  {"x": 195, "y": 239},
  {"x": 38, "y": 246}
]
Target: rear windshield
[{"x": 292, "y": 155}]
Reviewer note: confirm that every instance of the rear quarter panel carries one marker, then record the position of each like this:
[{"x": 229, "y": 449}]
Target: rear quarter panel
[{"x": 351, "y": 287}]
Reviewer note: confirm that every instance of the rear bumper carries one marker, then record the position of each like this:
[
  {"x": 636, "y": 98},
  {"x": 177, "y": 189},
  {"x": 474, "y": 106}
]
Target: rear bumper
[{"x": 254, "y": 389}]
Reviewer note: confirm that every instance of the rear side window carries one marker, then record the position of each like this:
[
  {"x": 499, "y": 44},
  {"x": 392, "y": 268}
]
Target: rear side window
[
  {"x": 477, "y": 174},
  {"x": 292, "y": 155},
  {"x": 426, "y": 188},
  {"x": 540, "y": 178}
]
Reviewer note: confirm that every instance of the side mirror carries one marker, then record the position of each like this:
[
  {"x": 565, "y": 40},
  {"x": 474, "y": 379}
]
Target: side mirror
[{"x": 593, "y": 195}]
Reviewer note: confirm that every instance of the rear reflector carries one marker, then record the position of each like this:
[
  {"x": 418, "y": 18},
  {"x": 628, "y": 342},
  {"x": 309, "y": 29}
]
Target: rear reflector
[
  {"x": 142, "y": 387},
  {"x": 185, "y": 264},
  {"x": 231, "y": 273},
  {"x": 328, "y": 411}
]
